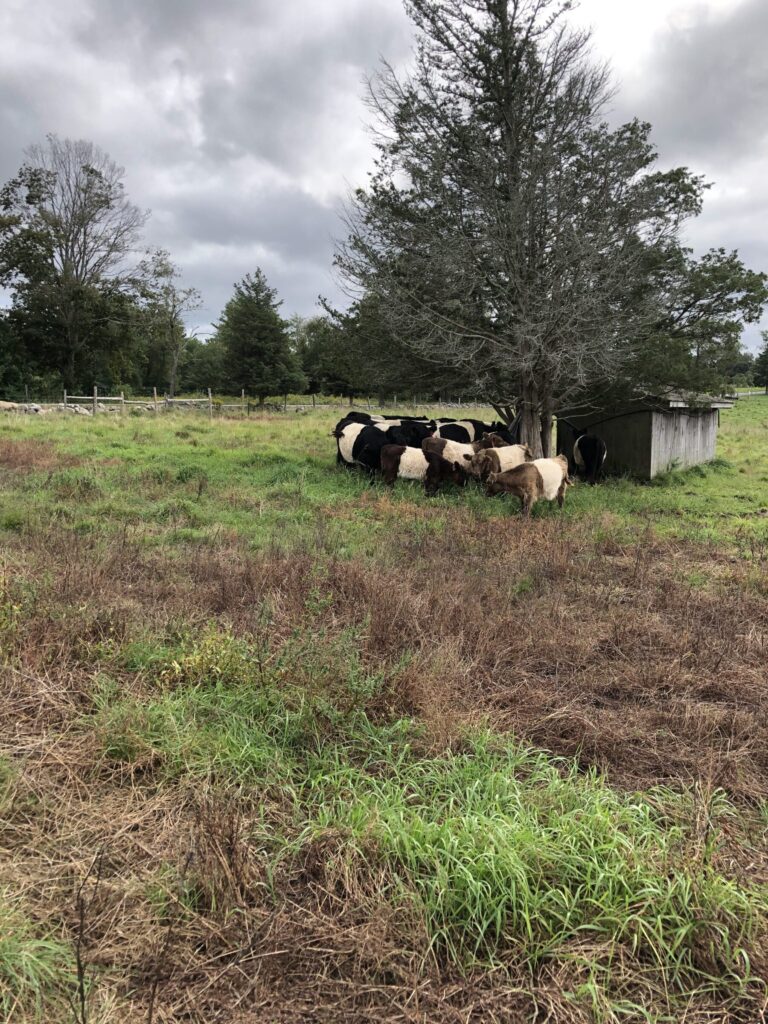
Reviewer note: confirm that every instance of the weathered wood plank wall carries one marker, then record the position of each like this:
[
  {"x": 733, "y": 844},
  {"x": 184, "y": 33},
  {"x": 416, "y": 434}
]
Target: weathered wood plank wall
[{"x": 682, "y": 438}]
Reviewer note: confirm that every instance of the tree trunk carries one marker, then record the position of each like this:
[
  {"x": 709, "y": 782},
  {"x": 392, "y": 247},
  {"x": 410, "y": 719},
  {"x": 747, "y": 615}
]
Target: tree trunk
[
  {"x": 506, "y": 412},
  {"x": 174, "y": 369},
  {"x": 546, "y": 429},
  {"x": 530, "y": 420},
  {"x": 72, "y": 335},
  {"x": 69, "y": 371}
]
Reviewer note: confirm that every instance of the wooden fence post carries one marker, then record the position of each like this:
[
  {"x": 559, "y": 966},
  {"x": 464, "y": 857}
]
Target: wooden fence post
[
  {"x": 65, "y": 398},
  {"x": 154, "y": 398},
  {"x": 285, "y": 403},
  {"x": 122, "y": 402},
  {"x": 95, "y": 398},
  {"x": 242, "y": 401},
  {"x": 210, "y": 405}
]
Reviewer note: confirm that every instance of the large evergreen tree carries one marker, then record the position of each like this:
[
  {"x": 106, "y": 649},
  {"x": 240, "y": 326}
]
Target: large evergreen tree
[
  {"x": 255, "y": 341},
  {"x": 507, "y": 232}
]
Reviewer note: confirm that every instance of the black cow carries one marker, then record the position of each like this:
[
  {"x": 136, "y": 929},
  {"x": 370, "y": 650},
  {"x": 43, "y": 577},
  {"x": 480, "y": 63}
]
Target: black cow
[
  {"x": 366, "y": 450},
  {"x": 589, "y": 454},
  {"x": 346, "y": 433},
  {"x": 415, "y": 419},
  {"x": 360, "y": 442},
  {"x": 466, "y": 431},
  {"x": 354, "y": 417}
]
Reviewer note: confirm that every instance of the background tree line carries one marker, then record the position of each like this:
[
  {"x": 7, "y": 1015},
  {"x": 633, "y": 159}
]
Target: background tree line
[
  {"x": 533, "y": 256},
  {"x": 90, "y": 306}
]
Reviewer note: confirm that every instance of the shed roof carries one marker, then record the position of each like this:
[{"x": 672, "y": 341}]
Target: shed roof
[
  {"x": 680, "y": 401},
  {"x": 671, "y": 401}
]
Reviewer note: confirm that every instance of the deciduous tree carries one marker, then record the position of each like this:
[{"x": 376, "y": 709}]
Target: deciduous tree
[
  {"x": 67, "y": 228},
  {"x": 694, "y": 342},
  {"x": 761, "y": 364},
  {"x": 166, "y": 304}
]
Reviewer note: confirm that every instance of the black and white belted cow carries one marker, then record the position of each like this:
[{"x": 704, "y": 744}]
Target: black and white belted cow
[{"x": 588, "y": 455}]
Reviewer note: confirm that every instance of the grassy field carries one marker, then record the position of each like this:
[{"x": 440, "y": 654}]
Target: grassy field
[{"x": 282, "y": 746}]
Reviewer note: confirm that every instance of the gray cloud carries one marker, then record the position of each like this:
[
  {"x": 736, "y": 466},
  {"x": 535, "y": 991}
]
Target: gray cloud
[
  {"x": 705, "y": 88},
  {"x": 240, "y": 124}
]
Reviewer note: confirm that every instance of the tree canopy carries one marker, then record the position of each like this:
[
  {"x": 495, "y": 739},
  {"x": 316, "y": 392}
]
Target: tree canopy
[
  {"x": 66, "y": 232},
  {"x": 510, "y": 248},
  {"x": 508, "y": 233},
  {"x": 255, "y": 341}
]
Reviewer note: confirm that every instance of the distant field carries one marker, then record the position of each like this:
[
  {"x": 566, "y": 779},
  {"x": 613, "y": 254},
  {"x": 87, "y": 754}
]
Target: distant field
[{"x": 337, "y": 753}]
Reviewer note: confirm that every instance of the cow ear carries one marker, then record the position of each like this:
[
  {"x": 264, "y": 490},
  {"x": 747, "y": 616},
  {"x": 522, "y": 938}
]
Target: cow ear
[{"x": 467, "y": 457}]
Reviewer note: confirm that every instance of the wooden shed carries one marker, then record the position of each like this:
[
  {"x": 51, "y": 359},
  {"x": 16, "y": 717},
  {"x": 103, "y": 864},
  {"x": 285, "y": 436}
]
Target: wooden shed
[{"x": 648, "y": 435}]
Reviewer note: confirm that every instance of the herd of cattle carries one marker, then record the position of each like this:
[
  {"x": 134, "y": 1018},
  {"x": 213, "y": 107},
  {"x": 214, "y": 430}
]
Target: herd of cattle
[{"x": 442, "y": 451}]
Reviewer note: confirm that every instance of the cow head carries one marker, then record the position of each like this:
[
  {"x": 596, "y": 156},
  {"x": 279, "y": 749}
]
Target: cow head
[
  {"x": 439, "y": 470},
  {"x": 492, "y": 485},
  {"x": 458, "y": 475}
]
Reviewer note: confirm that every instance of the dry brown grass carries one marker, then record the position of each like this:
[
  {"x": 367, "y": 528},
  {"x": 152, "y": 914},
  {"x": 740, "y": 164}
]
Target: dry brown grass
[
  {"x": 588, "y": 649},
  {"x": 613, "y": 656},
  {"x": 31, "y": 454}
]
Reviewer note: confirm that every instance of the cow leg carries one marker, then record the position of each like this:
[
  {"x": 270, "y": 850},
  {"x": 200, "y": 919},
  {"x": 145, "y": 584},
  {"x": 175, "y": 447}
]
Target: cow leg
[{"x": 561, "y": 494}]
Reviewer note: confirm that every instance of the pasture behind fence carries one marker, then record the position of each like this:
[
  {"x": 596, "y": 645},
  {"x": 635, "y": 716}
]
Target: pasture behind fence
[
  {"x": 98, "y": 402},
  {"x": 101, "y": 401}
]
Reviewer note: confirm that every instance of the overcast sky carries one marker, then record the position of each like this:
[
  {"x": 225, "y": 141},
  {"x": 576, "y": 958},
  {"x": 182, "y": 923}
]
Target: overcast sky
[{"x": 241, "y": 127}]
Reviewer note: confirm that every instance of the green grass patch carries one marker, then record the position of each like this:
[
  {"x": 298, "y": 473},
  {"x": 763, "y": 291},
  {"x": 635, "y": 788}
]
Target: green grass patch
[
  {"x": 507, "y": 856},
  {"x": 301, "y": 697},
  {"x": 283, "y": 468},
  {"x": 35, "y": 969}
]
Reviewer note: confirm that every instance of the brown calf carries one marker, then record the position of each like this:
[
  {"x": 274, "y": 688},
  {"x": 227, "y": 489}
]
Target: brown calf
[{"x": 532, "y": 481}]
